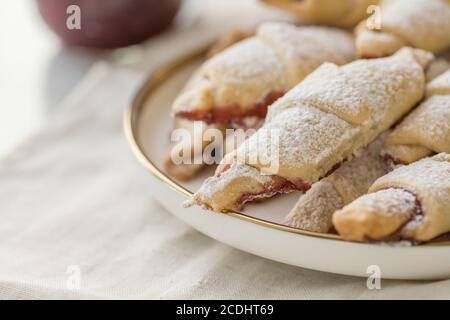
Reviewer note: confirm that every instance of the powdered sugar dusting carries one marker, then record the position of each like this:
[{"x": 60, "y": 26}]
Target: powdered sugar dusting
[
  {"x": 335, "y": 41},
  {"x": 313, "y": 210},
  {"x": 429, "y": 180},
  {"x": 276, "y": 59},
  {"x": 428, "y": 174},
  {"x": 388, "y": 202},
  {"x": 306, "y": 136},
  {"x": 241, "y": 65},
  {"x": 310, "y": 137},
  {"x": 427, "y": 126},
  {"x": 328, "y": 90},
  {"x": 391, "y": 86},
  {"x": 304, "y": 49},
  {"x": 314, "y": 136},
  {"x": 220, "y": 181},
  {"x": 423, "y": 23},
  {"x": 352, "y": 179},
  {"x": 414, "y": 224}
]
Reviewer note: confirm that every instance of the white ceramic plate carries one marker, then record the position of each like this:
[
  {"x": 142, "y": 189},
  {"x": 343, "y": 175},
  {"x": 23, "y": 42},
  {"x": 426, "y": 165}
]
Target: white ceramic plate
[{"x": 257, "y": 229}]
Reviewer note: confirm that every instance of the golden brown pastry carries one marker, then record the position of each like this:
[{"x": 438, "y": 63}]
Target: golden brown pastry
[
  {"x": 426, "y": 130},
  {"x": 326, "y": 119},
  {"x": 235, "y": 87},
  {"x": 341, "y": 13},
  {"x": 423, "y": 24},
  {"x": 352, "y": 179},
  {"x": 436, "y": 68},
  {"x": 440, "y": 85},
  {"x": 412, "y": 202}
]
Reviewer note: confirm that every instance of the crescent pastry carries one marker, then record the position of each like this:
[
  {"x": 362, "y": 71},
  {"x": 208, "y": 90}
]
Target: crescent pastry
[
  {"x": 423, "y": 24},
  {"x": 245, "y": 78},
  {"x": 326, "y": 119},
  {"x": 352, "y": 179},
  {"x": 426, "y": 130},
  {"x": 410, "y": 203},
  {"x": 237, "y": 85}
]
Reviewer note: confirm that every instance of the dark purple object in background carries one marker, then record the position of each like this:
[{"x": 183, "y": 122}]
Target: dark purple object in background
[{"x": 109, "y": 23}]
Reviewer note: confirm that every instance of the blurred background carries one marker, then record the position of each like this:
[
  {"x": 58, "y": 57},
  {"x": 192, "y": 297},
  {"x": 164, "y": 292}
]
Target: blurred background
[{"x": 38, "y": 71}]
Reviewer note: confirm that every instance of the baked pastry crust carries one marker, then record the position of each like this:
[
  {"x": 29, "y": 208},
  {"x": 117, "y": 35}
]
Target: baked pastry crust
[
  {"x": 235, "y": 184},
  {"x": 426, "y": 130},
  {"x": 436, "y": 68},
  {"x": 230, "y": 38},
  {"x": 439, "y": 85},
  {"x": 235, "y": 86},
  {"x": 248, "y": 76},
  {"x": 336, "y": 112},
  {"x": 192, "y": 161},
  {"x": 423, "y": 24},
  {"x": 314, "y": 209},
  {"x": 342, "y": 13},
  {"x": 412, "y": 202},
  {"x": 326, "y": 119}
]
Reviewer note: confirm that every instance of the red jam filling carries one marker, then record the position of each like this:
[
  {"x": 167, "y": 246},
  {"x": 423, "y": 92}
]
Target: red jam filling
[
  {"x": 225, "y": 114},
  {"x": 392, "y": 161},
  {"x": 279, "y": 185}
]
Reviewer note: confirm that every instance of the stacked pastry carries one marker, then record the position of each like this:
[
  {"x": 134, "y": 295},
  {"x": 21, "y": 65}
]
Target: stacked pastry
[
  {"x": 328, "y": 118},
  {"x": 235, "y": 87},
  {"x": 424, "y": 132},
  {"x": 413, "y": 201},
  {"x": 314, "y": 209},
  {"x": 327, "y": 131},
  {"x": 423, "y": 24}
]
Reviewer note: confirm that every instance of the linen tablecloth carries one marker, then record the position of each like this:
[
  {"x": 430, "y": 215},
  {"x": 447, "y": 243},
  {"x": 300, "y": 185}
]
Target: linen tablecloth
[{"x": 77, "y": 218}]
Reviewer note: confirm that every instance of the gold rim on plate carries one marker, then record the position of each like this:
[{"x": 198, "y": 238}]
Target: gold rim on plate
[{"x": 156, "y": 79}]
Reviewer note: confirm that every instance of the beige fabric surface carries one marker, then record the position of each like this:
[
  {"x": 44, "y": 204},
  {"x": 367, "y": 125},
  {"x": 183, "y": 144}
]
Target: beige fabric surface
[{"x": 73, "y": 196}]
